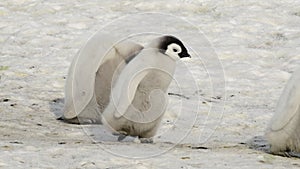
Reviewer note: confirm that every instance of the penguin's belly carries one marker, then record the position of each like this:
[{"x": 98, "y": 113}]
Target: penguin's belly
[
  {"x": 148, "y": 106},
  {"x": 152, "y": 83}
]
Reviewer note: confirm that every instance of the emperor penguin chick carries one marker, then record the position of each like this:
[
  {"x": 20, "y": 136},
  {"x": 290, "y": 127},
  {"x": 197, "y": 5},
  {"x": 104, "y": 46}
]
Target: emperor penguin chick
[
  {"x": 90, "y": 77},
  {"x": 138, "y": 100},
  {"x": 283, "y": 133}
]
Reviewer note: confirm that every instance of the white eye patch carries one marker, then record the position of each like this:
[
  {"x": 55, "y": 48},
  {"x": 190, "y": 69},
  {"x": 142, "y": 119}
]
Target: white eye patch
[
  {"x": 174, "y": 47},
  {"x": 173, "y": 50}
]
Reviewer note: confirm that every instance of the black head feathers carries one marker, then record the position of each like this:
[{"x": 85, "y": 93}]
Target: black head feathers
[{"x": 167, "y": 40}]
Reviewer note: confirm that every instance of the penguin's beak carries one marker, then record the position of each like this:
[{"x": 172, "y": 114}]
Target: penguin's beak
[{"x": 185, "y": 54}]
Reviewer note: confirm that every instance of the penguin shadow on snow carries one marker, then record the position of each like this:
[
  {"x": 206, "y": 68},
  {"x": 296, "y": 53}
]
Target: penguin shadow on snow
[{"x": 56, "y": 106}]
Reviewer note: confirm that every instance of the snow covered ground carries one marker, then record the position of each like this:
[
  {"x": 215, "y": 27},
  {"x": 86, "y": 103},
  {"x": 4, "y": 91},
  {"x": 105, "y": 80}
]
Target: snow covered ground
[{"x": 243, "y": 54}]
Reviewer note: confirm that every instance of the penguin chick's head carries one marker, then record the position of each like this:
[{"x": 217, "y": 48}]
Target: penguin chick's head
[{"x": 173, "y": 47}]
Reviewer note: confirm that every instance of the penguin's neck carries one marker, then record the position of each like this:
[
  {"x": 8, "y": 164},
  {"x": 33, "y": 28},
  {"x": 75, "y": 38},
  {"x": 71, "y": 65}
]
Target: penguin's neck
[{"x": 154, "y": 45}]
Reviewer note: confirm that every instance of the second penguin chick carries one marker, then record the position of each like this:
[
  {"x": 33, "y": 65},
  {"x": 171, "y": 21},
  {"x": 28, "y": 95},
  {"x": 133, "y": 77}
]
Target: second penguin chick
[{"x": 283, "y": 133}]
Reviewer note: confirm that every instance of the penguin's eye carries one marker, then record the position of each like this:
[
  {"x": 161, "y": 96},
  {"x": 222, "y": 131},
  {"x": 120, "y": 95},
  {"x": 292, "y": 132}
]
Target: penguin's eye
[{"x": 173, "y": 49}]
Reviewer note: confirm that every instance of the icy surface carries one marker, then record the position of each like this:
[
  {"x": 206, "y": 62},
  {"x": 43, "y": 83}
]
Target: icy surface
[{"x": 253, "y": 45}]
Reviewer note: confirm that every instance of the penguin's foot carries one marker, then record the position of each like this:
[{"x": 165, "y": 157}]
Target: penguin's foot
[
  {"x": 288, "y": 154},
  {"x": 121, "y": 135},
  {"x": 146, "y": 140},
  {"x": 294, "y": 154}
]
